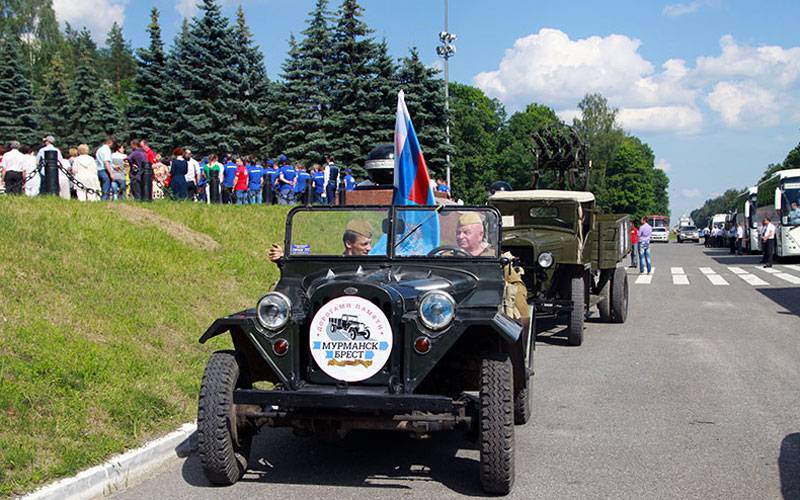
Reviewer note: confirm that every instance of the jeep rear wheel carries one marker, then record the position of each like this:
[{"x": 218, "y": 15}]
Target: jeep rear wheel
[
  {"x": 578, "y": 313},
  {"x": 223, "y": 442},
  {"x": 619, "y": 296},
  {"x": 496, "y": 427}
]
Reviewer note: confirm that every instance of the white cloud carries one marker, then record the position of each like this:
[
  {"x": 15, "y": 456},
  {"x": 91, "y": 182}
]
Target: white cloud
[
  {"x": 683, "y": 119},
  {"x": 681, "y": 9},
  {"x": 744, "y": 104},
  {"x": 691, "y": 193},
  {"x": 186, "y": 8},
  {"x": 95, "y": 15},
  {"x": 741, "y": 84},
  {"x": 664, "y": 165}
]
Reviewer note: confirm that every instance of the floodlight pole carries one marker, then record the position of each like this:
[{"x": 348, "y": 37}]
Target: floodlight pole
[{"x": 447, "y": 50}]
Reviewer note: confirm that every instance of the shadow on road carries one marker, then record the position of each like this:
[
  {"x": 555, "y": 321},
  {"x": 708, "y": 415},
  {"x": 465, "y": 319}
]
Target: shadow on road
[
  {"x": 788, "y": 298},
  {"x": 365, "y": 459},
  {"x": 722, "y": 256},
  {"x": 789, "y": 465}
]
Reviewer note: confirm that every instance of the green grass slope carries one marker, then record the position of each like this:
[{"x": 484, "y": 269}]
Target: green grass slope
[{"x": 101, "y": 306}]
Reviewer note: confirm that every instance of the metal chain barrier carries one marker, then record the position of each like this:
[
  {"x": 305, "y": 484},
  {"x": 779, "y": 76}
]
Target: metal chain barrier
[
  {"x": 21, "y": 182},
  {"x": 79, "y": 184}
]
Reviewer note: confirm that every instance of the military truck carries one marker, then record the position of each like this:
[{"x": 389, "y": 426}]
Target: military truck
[
  {"x": 428, "y": 283},
  {"x": 570, "y": 252}
]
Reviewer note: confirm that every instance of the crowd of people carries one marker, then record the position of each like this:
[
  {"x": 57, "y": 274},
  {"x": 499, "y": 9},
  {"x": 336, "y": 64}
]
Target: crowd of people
[{"x": 113, "y": 171}]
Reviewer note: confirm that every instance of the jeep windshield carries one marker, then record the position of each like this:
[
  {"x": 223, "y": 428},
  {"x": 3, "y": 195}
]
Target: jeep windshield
[{"x": 402, "y": 231}]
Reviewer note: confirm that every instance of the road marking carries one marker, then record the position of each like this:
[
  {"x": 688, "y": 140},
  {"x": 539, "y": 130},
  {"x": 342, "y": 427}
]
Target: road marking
[
  {"x": 752, "y": 279},
  {"x": 680, "y": 279},
  {"x": 794, "y": 268},
  {"x": 716, "y": 279},
  {"x": 737, "y": 270},
  {"x": 644, "y": 279},
  {"x": 769, "y": 270},
  {"x": 677, "y": 270},
  {"x": 707, "y": 271},
  {"x": 788, "y": 277}
]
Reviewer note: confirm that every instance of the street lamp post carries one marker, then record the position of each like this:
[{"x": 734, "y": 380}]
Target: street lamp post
[{"x": 446, "y": 50}]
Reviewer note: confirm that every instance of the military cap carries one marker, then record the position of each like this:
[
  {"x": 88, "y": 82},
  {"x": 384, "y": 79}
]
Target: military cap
[
  {"x": 468, "y": 218},
  {"x": 361, "y": 227}
]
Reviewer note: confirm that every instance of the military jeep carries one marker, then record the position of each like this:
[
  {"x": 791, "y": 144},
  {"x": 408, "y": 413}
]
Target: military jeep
[
  {"x": 443, "y": 351},
  {"x": 571, "y": 254}
]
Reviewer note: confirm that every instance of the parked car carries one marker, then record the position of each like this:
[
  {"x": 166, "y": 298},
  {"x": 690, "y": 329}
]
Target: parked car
[
  {"x": 688, "y": 233},
  {"x": 660, "y": 234}
]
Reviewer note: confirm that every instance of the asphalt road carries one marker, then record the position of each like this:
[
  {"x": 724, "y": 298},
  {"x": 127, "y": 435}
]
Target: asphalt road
[{"x": 696, "y": 396}]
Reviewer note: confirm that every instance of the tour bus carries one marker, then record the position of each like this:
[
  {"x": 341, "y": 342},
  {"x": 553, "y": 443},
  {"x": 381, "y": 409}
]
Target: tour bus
[
  {"x": 778, "y": 198},
  {"x": 746, "y": 214}
]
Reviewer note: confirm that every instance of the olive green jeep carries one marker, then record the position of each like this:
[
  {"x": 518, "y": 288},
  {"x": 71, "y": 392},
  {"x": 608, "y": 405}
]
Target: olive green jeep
[{"x": 571, "y": 254}]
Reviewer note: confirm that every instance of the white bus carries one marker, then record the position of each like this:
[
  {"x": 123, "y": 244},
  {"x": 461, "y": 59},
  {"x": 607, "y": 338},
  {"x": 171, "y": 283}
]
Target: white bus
[
  {"x": 778, "y": 199},
  {"x": 746, "y": 215}
]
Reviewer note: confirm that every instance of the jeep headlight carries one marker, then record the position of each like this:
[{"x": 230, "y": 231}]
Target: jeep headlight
[
  {"x": 436, "y": 309},
  {"x": 273, "y": 310},
  {"x": 545, "y": 260}
]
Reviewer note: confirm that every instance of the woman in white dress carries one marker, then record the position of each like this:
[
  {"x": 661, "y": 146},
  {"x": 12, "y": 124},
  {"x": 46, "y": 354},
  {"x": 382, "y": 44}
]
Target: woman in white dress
[{"x": 84, "y": 167}]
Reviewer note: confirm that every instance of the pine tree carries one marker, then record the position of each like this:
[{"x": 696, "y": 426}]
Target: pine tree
[
  {"x": 178, "y": 93},
  {"x": 55, "y": 102},
  {"x": 91, "y": 113},
  {"x": 17, "y": 112},
  {"x": 147, "y": 100},
  {"x": 211, "y": 82},
  {"x": 355, "y": 91},
  {"x": 425, "y": 101},
  {"x": 117, "y": 62},
  {"x": 387, "y": 86},
  {"x": 251, "y": 112},
  {"x": 303, "y": 124}
]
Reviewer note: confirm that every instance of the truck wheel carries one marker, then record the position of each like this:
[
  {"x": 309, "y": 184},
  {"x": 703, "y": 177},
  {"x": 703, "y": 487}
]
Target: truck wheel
[
  {"x": 578, "y": 313},
  {"x": 523, "y": 406},
  {"x": 497, "y": 424},
  {"x": 353, "y": 332},
  {"x": 222, "y": 442},
  {"x": 604, "y": 306},
  {"x": 619, "y": 296},
  {"x": 366, "y": 334}
]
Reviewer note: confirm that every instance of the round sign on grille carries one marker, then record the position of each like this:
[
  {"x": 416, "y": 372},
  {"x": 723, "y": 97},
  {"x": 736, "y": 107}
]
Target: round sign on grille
[{"x": 350, "y": 338}]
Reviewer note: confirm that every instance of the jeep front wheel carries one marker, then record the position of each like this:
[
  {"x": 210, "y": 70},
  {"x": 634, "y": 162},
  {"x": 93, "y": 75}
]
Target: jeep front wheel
[
  {"x": 223, "y": 442},
  {"x": 496, "y": 426},
  {"x": 578, "y": 313}
]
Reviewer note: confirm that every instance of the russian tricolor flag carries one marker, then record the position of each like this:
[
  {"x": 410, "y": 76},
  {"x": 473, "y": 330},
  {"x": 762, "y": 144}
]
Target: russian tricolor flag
[{"x": 411, "y": 179}]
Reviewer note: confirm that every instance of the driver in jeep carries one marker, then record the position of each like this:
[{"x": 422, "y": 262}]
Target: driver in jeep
[
  {"x": 357, "y": 241},
  {"x": 470, "y": 236}
]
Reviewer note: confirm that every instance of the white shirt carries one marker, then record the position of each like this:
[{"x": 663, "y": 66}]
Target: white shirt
[
  {"x": 49, "y": 147},
  {"x": 739, "y": 232},
  {"x": 102, "y": 156},
  {"x": 14, "y": 161},
  {"x": 193, "y": 171},
  {"x": 769, "y": 232}
]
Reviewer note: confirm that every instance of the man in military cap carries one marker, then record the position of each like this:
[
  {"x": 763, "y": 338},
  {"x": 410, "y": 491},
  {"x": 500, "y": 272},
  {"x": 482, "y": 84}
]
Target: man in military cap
[
  {"x": 357, "y": 241},
  {"x": 470, "y": 235}
]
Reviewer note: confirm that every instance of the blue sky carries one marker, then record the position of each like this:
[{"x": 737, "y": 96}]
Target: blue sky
[{"x": 712, "y": 85}]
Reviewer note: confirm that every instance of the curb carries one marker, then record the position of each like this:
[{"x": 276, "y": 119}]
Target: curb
[{"x": 120, "y": 471}]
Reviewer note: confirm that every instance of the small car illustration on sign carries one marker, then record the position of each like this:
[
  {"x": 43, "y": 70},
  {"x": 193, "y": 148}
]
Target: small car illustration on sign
[{"x": 349, "y": 324}]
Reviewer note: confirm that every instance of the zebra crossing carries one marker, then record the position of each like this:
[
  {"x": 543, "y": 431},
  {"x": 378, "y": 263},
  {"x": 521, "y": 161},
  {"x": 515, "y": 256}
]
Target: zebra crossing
[{"x": 723, "y": 275}]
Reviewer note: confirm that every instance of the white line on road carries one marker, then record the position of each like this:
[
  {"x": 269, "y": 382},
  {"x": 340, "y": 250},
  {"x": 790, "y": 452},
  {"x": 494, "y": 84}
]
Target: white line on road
[
  {"x": 680, "y": 279},
  {"x": 677, "y": 270},
  {"x": 793, "y": 268},
  {"x": 644, "y": 279},
  {"x": 752, "y": 279},
  {"x": 737, "y": 270},
  {"x": 788, "y": 277},
  {"x": 707, "y": 270},
  {"x": 770, "y": 270},
  {"x": 716, "y": 279}
]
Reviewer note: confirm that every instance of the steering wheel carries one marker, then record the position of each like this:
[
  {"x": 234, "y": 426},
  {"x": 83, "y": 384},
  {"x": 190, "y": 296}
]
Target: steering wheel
[{"x": 442, "y": 249}]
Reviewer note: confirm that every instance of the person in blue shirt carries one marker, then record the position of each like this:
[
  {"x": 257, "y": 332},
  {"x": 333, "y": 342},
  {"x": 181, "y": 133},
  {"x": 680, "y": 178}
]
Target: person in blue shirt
[
  {"x": 300, "y": 189},
  {"x": 349, "y": 180},
  {"x": 273, "y": 172},
  {"x": 228, "y": 176},
  {"x": 255, "y": 173},
  {"x": 318, "y": 180},
  {"x": 287, "y": 180}
]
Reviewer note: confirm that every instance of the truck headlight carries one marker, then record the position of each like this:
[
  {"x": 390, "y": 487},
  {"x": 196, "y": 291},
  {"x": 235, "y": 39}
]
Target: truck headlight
[
  {"x": 273, "y": 310},
  {"x": 545, "y": 260},
  {"x": 436, "y": 309}
]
